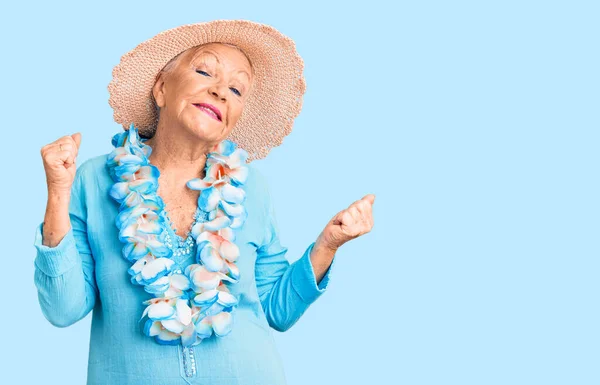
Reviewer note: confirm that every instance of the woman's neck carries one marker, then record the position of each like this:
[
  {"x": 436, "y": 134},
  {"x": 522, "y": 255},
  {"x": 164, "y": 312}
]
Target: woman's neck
[{"x": 177, "y": 156}]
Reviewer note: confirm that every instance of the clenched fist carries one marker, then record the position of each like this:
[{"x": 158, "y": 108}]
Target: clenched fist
[
  {"x": 59, "y": 162},
  {"x": 348, "y": 224}
]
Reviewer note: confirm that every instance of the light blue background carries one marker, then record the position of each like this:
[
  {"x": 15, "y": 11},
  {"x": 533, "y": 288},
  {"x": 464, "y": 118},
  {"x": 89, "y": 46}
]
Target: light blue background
[{"x": 474, "y": 123}]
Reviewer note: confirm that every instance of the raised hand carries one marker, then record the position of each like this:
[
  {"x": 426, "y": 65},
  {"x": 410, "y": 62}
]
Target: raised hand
[
  {"x": 59, "y": 162},
  {"x": 348, "y": 224}
]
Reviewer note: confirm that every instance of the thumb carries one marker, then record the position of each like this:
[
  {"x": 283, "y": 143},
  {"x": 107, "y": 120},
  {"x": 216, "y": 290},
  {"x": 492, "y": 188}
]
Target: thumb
[
  {"x": 77, "y": 138},
  {"x": 370, "y": 198}
]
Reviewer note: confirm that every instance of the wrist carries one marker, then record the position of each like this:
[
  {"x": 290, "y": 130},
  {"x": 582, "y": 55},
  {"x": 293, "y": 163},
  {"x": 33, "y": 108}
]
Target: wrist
[
  {"x": 58, "y": 194},
  {"x": 324, "y": 246},
  {"x": 58, "y": 201}
]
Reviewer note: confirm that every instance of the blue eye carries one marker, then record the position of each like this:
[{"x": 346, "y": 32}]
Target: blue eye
[{"x": 235, "y": 90}]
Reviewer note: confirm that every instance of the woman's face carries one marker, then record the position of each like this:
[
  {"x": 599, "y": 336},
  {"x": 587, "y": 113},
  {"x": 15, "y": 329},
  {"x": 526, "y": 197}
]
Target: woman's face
[{"x": 213, "y": 76}]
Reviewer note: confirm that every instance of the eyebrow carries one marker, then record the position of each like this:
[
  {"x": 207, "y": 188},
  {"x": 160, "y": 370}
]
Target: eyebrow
[
  {"x": 217, "y": 58},
  {"x": 209, "y": 52}
]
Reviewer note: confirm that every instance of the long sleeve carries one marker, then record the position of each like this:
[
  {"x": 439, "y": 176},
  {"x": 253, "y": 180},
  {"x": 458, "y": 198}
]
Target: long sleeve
[
  {"x": 285, "y": 290},
  {"x": 64, "y": 274}
]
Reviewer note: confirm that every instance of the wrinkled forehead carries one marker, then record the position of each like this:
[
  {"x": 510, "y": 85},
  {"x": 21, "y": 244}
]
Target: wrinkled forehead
[{"x": 216, "y": 50}]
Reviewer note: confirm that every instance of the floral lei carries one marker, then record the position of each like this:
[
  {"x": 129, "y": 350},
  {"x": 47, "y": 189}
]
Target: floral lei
[{"x": 187, "y": 306}]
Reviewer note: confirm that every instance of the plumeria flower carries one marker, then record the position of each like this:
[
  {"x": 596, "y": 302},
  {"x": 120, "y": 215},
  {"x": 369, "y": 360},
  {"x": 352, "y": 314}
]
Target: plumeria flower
[
  {"x": 159, "y": 309},
  {"x": 178, "y": 284},
  {"x": 138, "y": 246},
  {"x": 215, "y": 308},
  {"x": 128, "y": 165},
  {"x": 144, "y": 185},
  {"x": 167, "y": 318},
  {"x": 237, "y": 213},
  {"x": 218, "y": 224},
  {"x": 207, "y": 299},
  {"x": 138, "y": 200},
  {"x": 139, "y": 213},
  {"x": 168, "y": 286},
  {"x": 204, "y": 279},
  {"x": 216, "y": 252},
  {"x": 158, "y": 287},
  {"x": 213, "y": 189},
  {"x": 160, "y": 333},
  {"x": 145, "y": 223},
  {"x": 148, "y": 270},
  {"x": 131, "y": 141},
  {"x": 113, "y": 158},
  {"x": 126, "y": 144},
  {"x": 229, "y": 161},
  {"x": 216, "y": 189},
  {"x": 220, "y": 324},
  {"x": 132, "y": 172}
]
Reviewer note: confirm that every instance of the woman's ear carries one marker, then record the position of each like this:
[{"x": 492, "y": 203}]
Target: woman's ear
[{"x": 158, "y": 90}]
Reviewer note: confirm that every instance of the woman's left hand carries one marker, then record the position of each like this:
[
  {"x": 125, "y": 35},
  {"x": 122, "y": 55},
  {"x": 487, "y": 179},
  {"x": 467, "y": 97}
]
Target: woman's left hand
[{"x": 348, "y": 224}]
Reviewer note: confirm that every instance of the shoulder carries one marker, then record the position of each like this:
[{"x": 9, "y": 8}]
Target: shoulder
[
  {"x": 92, "y": 178},
  {"x": 257, "y": 182},
  {"x": 257, "y": 190},
  {"x": 91, "y": 168},
  {"x": 93, "y": 164}
]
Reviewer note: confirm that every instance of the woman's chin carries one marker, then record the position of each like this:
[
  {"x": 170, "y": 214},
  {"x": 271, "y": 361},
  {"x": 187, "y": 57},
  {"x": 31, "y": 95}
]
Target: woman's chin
[{"x": 204, "y": 131}]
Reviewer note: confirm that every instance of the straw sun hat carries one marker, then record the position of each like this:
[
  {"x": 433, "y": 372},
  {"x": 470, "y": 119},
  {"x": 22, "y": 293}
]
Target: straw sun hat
[{"x": 273, "y": 104}]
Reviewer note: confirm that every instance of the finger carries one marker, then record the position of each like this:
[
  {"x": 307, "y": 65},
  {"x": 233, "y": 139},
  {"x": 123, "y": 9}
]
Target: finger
[
  {"x": 64, "y": 146},
  {"x": 60, "y": 157},
  {"x": 364, "y": 208},
  {"x": 361, "y": 205},
  {"x": 355, "y": 203},
  {"x": 72, "y": 154},
  {"x": 65, "y": 152},
  {"x": 67, "y": 147},
  {"x": 346, "y": 218},
  {"x": 369, "y": 198},
  {"x": 356, "y": 215},
  {"x": 77, "y": 138},
  {"x": 62, "y": 140},
  {"x": 338, "y": 219},
  {"x": 70, "y": 161},
  {"x": 51, "y": 150}
]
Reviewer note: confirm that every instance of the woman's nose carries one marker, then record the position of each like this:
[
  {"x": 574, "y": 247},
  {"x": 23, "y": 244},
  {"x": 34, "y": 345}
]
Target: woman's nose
[{"x": 218, "y": 91}]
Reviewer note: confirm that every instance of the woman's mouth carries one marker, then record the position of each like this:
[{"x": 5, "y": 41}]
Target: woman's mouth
[{"x": 210, "y": 110}]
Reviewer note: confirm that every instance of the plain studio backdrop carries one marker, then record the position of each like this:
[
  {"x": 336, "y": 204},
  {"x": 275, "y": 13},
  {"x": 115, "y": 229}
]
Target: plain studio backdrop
[{"x": 474, "y": 123}]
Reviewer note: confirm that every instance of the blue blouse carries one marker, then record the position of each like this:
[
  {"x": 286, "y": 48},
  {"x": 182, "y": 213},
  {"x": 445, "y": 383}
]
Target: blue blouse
[{"x": 86, "y": 271}]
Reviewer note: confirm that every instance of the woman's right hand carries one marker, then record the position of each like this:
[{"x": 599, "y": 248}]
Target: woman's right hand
[{"x": 59, "y": 162}]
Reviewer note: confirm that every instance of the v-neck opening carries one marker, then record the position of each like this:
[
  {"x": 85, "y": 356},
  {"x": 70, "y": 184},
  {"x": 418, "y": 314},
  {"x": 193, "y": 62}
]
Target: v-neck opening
[
  {"x": 178, "y": 242},
  {"x": 173, "y": 231}
]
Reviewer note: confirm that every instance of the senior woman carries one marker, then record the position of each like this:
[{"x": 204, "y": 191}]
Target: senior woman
[{"x": 171, "y": 238}]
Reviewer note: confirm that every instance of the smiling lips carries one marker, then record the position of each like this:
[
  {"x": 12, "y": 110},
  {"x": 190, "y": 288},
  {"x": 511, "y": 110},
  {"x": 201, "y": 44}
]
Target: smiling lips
[{"x": 209, "y": 109}]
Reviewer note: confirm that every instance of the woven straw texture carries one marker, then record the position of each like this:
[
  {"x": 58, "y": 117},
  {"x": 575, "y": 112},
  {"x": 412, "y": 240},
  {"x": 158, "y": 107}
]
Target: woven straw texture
[{"x": 275, "y": 100}]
